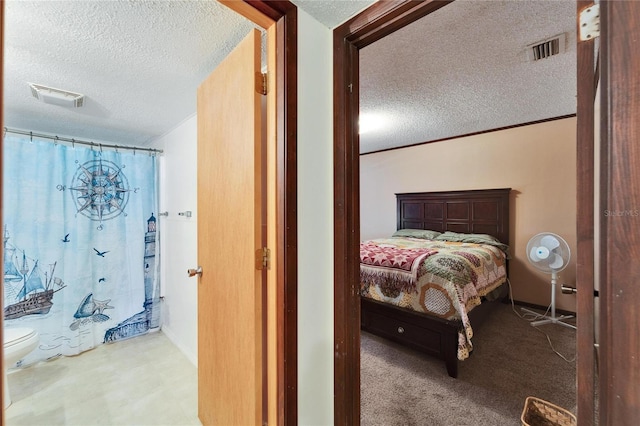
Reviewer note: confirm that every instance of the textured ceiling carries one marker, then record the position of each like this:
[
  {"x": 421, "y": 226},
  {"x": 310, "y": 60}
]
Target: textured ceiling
[
  {"x": 139, "y": 63},
  {"x": 464, "y": 69}
]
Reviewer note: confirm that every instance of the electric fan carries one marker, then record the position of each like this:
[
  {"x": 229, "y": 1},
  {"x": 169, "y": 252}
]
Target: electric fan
[{"x": 549, "y": 253}]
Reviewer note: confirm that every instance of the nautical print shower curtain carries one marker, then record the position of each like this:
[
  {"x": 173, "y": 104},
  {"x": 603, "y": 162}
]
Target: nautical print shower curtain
[{"x": 80, "y": 256}]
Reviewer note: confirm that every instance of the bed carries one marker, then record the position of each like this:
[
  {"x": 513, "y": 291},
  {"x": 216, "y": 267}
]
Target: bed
[{"x": 386, "y": 308}]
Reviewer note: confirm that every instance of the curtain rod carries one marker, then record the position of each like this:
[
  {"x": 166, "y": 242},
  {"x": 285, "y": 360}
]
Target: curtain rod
[{"x": 80, "y": 141}]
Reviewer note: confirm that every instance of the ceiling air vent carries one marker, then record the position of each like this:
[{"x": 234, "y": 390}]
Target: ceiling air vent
[
  {"x": 547, "y": 48},
  {"x": 50, "y": 95}
]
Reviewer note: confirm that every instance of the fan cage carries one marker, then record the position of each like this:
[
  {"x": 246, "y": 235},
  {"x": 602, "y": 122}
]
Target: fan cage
[{"x": 564, "y": 251}]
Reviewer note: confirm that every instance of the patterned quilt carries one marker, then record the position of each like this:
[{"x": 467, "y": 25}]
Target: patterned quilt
[{"x": 441, "y": 278}]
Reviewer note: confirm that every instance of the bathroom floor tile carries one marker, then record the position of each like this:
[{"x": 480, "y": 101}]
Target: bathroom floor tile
[{"x": 141, "y": 381}]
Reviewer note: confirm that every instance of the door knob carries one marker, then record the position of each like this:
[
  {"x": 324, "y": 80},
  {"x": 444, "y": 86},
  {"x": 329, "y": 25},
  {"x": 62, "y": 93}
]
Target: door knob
[{"x": 194, "y": 272}]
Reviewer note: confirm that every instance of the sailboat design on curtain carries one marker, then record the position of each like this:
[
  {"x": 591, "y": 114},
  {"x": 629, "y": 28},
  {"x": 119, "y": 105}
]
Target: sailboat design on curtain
[{"x": 36, "y": 293}]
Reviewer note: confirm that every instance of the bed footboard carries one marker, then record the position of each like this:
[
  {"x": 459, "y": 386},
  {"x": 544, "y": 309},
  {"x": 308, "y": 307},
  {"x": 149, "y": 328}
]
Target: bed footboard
[
  {"x": 431, "y": 335},
  {"x": 428, "y": 334}
]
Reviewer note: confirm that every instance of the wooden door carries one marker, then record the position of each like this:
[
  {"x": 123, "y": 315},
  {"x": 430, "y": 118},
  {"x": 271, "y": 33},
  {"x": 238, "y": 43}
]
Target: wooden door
[
  {"x": 230, "y": 231},
  {"x": 612, "y": 373},
  {"x": 619, "y": 215}
]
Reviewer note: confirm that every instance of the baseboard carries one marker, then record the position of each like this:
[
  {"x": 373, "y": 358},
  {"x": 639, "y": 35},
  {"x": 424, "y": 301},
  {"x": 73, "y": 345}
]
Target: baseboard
[
  {"x": 540, "y": 307},
  {"x": 174, "y": 339}
]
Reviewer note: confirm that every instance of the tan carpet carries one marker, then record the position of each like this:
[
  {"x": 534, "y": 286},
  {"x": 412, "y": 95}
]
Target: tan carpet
[{"x": 510, "y": 361}]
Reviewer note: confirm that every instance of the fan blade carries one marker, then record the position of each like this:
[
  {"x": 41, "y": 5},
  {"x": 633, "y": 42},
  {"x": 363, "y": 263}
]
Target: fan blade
[
  {"x": 539, "y": 253},
  {"x": 533, "y": 254},
  {"x": 550, "y": 242},
  {"x": 557, "y": 262}
]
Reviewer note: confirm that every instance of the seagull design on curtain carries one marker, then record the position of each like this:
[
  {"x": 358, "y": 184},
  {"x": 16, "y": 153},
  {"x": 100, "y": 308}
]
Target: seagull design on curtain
[{"x": 100, "y": 253}]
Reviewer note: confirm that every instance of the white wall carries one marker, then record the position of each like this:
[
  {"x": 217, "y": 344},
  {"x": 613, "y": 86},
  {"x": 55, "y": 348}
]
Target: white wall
[
  {"x": 178, "y": 237},
  {"x": 315, "y": 222}
]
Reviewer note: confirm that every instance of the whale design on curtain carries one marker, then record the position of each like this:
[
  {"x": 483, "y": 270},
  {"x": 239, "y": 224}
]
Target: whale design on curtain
[{"x": 80, "y": 234}]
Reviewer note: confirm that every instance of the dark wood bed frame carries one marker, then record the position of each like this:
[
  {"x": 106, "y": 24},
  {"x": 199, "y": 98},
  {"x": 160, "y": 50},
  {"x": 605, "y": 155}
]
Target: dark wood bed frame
[{"x": 483, "y": 211}]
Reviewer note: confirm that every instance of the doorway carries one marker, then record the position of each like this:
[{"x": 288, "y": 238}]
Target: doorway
[
  {"x": 374, "y": 24},
  {"x": 284, "y": 16}
]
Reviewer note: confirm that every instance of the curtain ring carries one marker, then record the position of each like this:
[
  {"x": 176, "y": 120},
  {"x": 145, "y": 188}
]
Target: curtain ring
[
  {"x": 31, "y": 136},
  {"x": 56, "y": 141},
  {"x": 73, "y": 143},
  {"x": 5, "y": 132}
]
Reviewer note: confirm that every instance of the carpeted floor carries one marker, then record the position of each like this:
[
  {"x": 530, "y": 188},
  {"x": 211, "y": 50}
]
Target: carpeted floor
[{"x": 510, "y": 361}]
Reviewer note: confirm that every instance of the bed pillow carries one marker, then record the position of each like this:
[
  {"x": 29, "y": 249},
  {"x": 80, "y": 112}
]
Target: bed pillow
[
  {"x": 473, "y": 238},
  {"x": 424, "y": 234},
  {"x": 467, "y": 238}
]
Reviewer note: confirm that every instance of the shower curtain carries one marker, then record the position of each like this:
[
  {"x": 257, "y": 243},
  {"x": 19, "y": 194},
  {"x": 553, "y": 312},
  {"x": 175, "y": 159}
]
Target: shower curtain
[{"x": 80, "y": 255}]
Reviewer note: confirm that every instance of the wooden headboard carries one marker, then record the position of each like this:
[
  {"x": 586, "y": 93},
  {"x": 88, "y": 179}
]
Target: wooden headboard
[{"x": 483, "y": 211}]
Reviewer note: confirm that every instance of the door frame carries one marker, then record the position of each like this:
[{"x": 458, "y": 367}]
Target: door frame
[
  {"x": 618, "y": 394},
  {"x": 374, "y": 23},
  {"x": 585, "y": 229},
  {"x": 285, "y": 15}
]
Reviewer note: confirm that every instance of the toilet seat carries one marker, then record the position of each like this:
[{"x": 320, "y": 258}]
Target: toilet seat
[{"x": 18, "y": 335}]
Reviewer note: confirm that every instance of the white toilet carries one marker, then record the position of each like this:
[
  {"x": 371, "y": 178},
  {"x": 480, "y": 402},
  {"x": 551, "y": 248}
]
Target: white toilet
[{"x": 18, "y": 342}]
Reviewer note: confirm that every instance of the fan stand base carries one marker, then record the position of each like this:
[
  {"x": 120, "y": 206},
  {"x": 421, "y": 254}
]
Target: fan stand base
[{"x": 549, "y": 319}]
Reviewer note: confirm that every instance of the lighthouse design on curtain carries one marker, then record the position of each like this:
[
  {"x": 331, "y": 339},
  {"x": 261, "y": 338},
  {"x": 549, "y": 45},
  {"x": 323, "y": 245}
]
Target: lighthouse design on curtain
[{"x": 150, "y": 316}]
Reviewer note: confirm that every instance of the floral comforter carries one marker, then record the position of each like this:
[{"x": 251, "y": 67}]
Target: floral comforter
[{"x": 441, "y": 278}]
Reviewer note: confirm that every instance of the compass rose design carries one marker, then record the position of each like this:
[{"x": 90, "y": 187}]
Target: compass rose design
[{"x": 100, "y": 190}]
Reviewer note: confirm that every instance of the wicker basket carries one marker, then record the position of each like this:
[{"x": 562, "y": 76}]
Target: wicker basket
[{"x": 538, "y": 412}]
